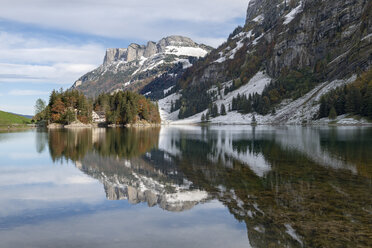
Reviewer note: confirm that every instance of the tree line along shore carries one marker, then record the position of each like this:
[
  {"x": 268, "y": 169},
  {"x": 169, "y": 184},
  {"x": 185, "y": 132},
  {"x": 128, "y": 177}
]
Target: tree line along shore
[{"x": 72, "y": 108}]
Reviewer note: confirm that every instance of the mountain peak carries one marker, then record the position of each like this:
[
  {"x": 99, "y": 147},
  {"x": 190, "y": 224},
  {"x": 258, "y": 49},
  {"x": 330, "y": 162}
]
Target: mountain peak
[
  {"x": 137, "y": 65},
  {"x": 177, "y": 40},
  {"x": 136, "y": 52}
]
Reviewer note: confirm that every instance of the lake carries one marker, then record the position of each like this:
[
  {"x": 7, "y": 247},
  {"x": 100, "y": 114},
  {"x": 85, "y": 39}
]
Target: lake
[{"x": 227, "y": 186}]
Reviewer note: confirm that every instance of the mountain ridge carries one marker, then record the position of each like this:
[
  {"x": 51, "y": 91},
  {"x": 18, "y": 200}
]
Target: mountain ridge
[{"x": 134, "y": 67}]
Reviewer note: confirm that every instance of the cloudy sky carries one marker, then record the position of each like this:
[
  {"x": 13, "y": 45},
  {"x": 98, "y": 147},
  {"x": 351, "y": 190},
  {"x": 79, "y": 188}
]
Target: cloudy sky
[{"x": 48, "y": 44}]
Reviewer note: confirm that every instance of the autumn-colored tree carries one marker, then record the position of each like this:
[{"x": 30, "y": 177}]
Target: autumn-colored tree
[{"x": 58, "y": 109}]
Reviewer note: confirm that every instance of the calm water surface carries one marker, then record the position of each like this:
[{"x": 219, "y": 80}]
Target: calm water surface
[{"x": 187, "y": 187}]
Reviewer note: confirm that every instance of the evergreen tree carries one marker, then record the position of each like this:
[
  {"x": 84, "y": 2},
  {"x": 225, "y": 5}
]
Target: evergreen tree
[
  {"x": 323, "y": 108},
  {"x": 234, "y": 104},
  {"x": 53, "y": 97},
  {"x": 223, "y": 109},
  {"x": 226, "y": 91},
  {"x": 332, "y": 113},
  {"x": 354, "y": 98},
  {"x": 254, "y": 121},
  {"x": 214, "y": 110},
  {"x": 203, "y": 118},
  {"x": 340, "y": 102},
  {"x": 47, "y": 114},
  {"x": 69, "y": 116},
  {"x": 368, "y": 103}
]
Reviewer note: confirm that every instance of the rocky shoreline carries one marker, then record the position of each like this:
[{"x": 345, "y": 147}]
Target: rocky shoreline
[
  {"x": 72, "y": 125},
  {"x": 77, "y": 125}
]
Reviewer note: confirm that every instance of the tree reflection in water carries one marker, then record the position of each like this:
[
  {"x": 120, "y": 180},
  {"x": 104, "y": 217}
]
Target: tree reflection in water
[{"x": 292, "y": 186}]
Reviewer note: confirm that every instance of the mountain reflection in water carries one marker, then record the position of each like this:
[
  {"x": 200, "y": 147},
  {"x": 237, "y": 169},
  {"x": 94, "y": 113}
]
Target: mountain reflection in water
[{"x": 291, "y": 186}]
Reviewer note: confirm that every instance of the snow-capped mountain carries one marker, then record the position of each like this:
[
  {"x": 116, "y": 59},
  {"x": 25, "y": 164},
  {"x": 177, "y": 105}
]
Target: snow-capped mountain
[{"x": 134, "y": 67}]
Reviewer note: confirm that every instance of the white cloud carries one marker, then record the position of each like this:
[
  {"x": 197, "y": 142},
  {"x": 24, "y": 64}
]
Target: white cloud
[
  {"x": 145, "y": 19},
  {"x": 28, "y": 59},
  {"x": 41, "y": 175},
  {"x": 17, "y": 48},
  {"x": 28, "y": 93}
]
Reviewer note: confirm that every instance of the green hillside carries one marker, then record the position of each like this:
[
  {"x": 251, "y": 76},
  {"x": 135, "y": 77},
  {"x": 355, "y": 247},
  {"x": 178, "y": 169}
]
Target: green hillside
[{"x": 8, "y": 119}]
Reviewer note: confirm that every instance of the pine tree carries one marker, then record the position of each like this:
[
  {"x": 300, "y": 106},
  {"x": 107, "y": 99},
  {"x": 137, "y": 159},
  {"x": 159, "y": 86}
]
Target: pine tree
[
  {"x": 340, "y": 103},
  {"x": 53, "y": 97},
  {"x": 47, "y": 114},
  {"x": 368, "y": 104},
  {"x": 353, "y": 100},
  {"x": 214, "y": 110},
  {"x": 254, "y": 121},
  {"x": 323, "y": 108},
  {"x": 226, "y": 91},
  {"x": 332, "y": 113},
  {"x": 234, "y": 104},
  {"x": 69, "y": 116},
  {"x": 223, "y": 109},
  {"x": 203, "y": 118}
]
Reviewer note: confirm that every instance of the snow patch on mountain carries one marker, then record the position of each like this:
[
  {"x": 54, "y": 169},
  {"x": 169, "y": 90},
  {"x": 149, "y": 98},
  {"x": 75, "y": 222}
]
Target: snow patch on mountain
[
  {"x": 185, "y": 63},
  {"x": 221, "y": 60},
  {"x": 255, "y": 85},
  {"x": 186, "y": 51},
  {"x": 165, "y": 106},
  {"x": 305, "y": 108},
  {"x": 291, "y": 15},
  {"x": 300, "y": 111},
  {"x": 167, "y": 90},
  {"x": 259, "y": 19},
  {"x": 291, "y": 232},
  {"x": 239, "y": 45},
  {"x": 367, "y": 37}
]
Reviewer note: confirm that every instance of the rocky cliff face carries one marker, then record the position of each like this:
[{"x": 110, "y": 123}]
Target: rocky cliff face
[
  {"x": 330, "y": 40},
  {"x": 328, "y": 34},
  {"x": 332, "y": 35},
  {"x": 134, "y": 67}
]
